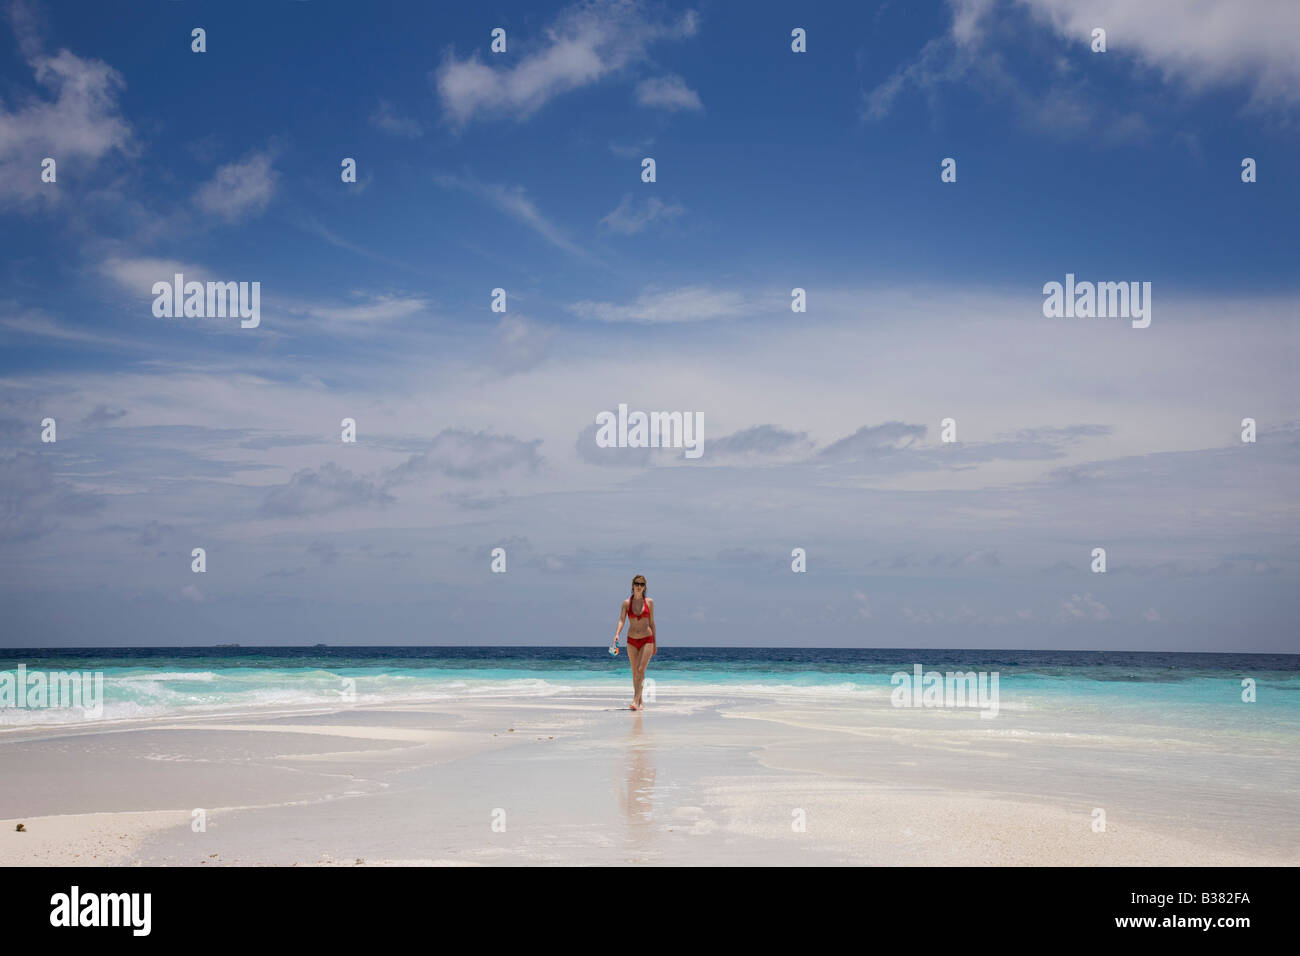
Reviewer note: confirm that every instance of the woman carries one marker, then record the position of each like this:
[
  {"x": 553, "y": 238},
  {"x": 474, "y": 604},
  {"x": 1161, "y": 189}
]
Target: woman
[{"x": 640, "y": 635}]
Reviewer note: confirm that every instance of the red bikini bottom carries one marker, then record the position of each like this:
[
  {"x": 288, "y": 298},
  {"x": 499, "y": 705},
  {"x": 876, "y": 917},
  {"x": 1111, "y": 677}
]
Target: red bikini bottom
[{"x": 639, "y": 642}]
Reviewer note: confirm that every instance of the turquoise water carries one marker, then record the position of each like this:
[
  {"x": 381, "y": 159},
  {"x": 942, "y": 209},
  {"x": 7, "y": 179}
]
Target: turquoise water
[{"x": 1075, "y": 688}]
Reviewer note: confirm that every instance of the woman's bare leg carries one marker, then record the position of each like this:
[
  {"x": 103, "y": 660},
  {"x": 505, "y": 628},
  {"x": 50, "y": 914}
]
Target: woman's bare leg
[
  {"x": 634, "y": 658},
  {"x": 642, "y": 663}
]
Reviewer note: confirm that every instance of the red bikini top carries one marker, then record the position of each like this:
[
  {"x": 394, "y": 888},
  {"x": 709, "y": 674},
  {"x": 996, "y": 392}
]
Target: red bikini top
[{"x": 645, "y": 608}]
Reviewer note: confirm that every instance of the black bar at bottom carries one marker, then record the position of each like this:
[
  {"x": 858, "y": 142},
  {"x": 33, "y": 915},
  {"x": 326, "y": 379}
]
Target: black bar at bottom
[{"x": 334, "y": 904}]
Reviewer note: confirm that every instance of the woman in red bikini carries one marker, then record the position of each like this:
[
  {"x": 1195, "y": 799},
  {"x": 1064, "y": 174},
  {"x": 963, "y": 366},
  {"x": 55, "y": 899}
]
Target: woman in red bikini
[{"x": 639, "y": 611}]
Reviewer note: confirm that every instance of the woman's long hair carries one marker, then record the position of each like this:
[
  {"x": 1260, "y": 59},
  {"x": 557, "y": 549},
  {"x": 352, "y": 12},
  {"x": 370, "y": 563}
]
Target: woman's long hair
[{"x": 641, "y": 579}]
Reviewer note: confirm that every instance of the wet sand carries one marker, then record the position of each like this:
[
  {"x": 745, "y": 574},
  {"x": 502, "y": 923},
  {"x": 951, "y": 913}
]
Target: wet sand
[{"x": 692, "y": 780}]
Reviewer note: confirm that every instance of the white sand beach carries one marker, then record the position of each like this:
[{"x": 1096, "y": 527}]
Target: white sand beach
[{"x": 694, "y": 779}]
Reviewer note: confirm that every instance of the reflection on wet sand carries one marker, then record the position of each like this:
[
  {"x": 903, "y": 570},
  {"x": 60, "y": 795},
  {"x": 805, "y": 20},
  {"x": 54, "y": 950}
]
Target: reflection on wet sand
[{"x": 634, "y": 787}]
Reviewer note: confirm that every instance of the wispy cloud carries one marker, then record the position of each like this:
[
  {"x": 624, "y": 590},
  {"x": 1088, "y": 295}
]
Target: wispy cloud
[
  {"x": 78, "y": 125},
  {"x": 512, "y": 201},
  {"x": 458, "y": 453},
  {"x": 628, "y": 219},
  {"x": 369, "y": 311},
  {"x": 42, "y": 326},
  {"x": 1082, "y": 608},
  {"x": 521, "y": 344},
  {"x": 630, "y": 150},
  {"x": 314, "y": 227},
  {"x": 588, "y": 42},
  {"x": 138, "y": 274},
  {"x": 1217, "y": 47},
  {"x": 239, "y": 190},
  {"x": 33, "y": 498},
  {"x": 669, "y": 93},
  {"x": 1221, "y": 43},
  {"x": 759, "y": 443},
  {"x": 690, "y": 304},
  {"x": 103, "y": 415},
  {"x": 321, "y": 490},
  {"x": 1062, "y": 434},
  {"x": 386, "y": 118},
  {"x": 873, "y": 440}
]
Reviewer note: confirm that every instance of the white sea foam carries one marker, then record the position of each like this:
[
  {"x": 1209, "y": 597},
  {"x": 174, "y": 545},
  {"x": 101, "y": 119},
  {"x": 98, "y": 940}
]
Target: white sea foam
[
  {"x": 177, "y": 693},
  {"x": 166, "y": 676}
]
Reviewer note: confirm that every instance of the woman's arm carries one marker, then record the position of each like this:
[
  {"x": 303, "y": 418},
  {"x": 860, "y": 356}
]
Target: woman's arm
[
  {"x": 622, "y": 616},
  {"x": 653, "y": 630}
]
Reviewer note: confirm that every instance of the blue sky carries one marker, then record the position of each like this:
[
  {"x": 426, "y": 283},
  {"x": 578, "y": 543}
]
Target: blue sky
[{"x": 775, "y": 170}]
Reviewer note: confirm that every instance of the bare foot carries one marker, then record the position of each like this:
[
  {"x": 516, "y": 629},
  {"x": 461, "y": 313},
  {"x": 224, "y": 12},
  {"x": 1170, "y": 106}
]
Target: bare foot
[
  {"x": 632, "y": 706},
  {"x": 638, "y": 706}
]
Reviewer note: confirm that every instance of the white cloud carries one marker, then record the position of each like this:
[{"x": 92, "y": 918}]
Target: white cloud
[
  {"x": 459, "y": 453},
  {"x": 520, "y": 344},
  {"x": 77, "y": 128},
  {"x": 690, "y": 304},
  {"x": 375, "y": 308},
  {"x": 668, "y": 92},
  {"x": 967, "y": 16},
  {"x": 628, "y": 220},
  {"x": 320, "y": 491},
  {"x": 1210, "y": 43},
  {"x": 41, "y": 326},
  {"x": 239, "y": 190},
  {"x": 1085, "y": 608},
  {"x": 390, "y": 121},
  {"x": 139, "y": 274},
  {"x": 639, "y": 149},
  {"x": 587, "y": 43},
  {"x": 1216, "y": 44},
  {"x": 315, "y": 227},
  {"x": 188, "y": 413}
]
